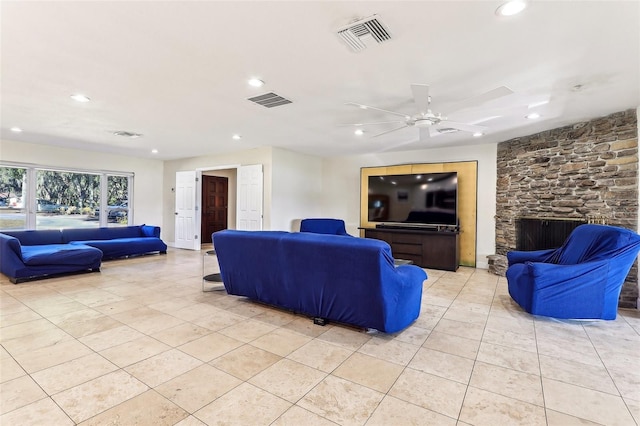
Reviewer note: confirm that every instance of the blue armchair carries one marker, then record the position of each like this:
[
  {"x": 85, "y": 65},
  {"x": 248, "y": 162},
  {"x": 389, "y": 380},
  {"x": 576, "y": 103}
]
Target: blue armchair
[
  {"x": 580, "y": 280},
  {"x": 323, "y": 226}
]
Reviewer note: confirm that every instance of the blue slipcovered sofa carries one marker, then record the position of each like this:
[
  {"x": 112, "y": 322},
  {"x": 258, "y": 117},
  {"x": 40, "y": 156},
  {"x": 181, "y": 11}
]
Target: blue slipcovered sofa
[
  {"x": 332, "y": 277},
  {"x": 26, "y": 255},
  {"x": 323, "y": 226},
  {"x": 580, "y": 280}
]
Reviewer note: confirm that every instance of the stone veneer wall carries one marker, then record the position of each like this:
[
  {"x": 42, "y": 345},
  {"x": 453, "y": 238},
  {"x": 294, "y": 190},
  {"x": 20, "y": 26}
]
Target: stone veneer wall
[{"x": 587, "y": 169}]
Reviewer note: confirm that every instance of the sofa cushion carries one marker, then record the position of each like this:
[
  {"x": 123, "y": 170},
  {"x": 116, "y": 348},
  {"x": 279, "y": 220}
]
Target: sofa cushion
[
  {"x": 121, "y": 247},
  {"x": 60, "y": 254},
  {"x": 32, "y": 238}
]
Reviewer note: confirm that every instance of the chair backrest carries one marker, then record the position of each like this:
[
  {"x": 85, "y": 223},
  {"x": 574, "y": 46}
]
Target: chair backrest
[
  {"x": 323, "y": 226},
  {"x": 596, "y": 242}
]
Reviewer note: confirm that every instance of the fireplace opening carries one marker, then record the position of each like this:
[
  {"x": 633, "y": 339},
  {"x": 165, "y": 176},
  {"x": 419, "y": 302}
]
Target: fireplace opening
[{"x": 543, "y": 233}]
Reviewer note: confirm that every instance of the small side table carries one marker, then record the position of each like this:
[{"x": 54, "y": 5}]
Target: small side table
[{"x": 210, "y": 278}]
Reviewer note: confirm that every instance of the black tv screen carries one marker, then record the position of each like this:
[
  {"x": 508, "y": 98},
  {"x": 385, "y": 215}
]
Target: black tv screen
[{"x": 425, "y": 198}]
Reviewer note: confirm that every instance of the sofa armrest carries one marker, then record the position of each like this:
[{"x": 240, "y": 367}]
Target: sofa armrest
[
  {"x": 529, "y": 256},
  {"x": 150, "y": 231}
]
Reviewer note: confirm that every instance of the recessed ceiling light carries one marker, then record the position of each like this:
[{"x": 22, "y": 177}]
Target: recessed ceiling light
[
  {"x": 80, "y": 97},
  {"x": 359, "y": 132},
  {"x": 511, "y": 7},
  {"x": 236, "y": 137},
  {"x": 16, "y": 129},
  {"x": 154, "y": 151},
  {"x": 477, "y": 134},
  {"x": 255, "y": 82},
  {"x": 532, "y": 116}
]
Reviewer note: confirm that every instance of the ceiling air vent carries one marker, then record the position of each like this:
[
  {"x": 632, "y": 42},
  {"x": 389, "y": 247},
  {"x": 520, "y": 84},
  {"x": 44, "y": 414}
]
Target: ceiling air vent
[
  {"x": 126, "y": 134},
  {"x": 270, "y": 100},
  {"x": 357, "y": 33}
]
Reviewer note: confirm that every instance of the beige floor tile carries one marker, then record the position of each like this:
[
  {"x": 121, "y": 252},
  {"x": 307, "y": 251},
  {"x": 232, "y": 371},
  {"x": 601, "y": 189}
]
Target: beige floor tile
[
  {"x": 258, "y": 407},
  {"x": 18, "y": 317},
  {"x": 87, "y": 327},
  {"x": 59, "y": 308},
  {"x": 486, "y": 408},
  {"x": 117, "y": 307},
  {"x": 169, "y": 306},
  {"x": 198, "y": 387},
  {"x": 148, "y": 408},
  {"x": 163, "y": 367},
  {"x": 10, "y": 369},
  {"x": 576, "y": 373},
  {"x": 247, "y": 330},
  {"x": 136, "y": 315},
  {"x": 455, "y": 345},
  {"x": 281, "y": 341},
  {"x": 25, "y": 329},
  {"x": 133, "y": 351},
  {"x": 181, "y": 334},
  {"x": 393, "y": 411},
  {"x": 506, "y": 382},
  {"x": 418, "y": 388},
  {"x": 296, "y": 416},
  {"x": 627, "y": 382},
  {"x": 577, "y": 349},
  {"x": 39, "y": 359},
  {"x": 156, "y": 323},
  {"x": 95, "y": 297},
  {"x": 466, "y": 315},
  {"x": 510, "y": 339},
  {"x": 195, "y": 311},
  {"x": 78, "y": 315},
  {"x": 245, "y": 361},
  {"x": 448, "y": 366},
  {"x": 461, "y": 329},
  {"x": 374, "y": 373},
  {"x": 95, "y": 396},
  {"x": 288, "y": 379},
  {"x": 387, "y": 348},
  {"x": 222, "y": 320},
  {"x": 321, "y": 355},
  {"x": 560, "y": 419},
  {"x": 190, "y": 421},
  {"x": 275, "y": 317},
  {"x": 341, "y": 401},
  {"x": 634, "y": 408},
  {"x": 72, "y": 373},
  {"x": 211, "y": 346},
  {"x": 585, "y": 403},
  {"x": 109, "y": 338},
  {"x": 348, "y": 338},
  {"x": 42, "y": 412},
  {"x": 19, "y": 392},
  {"x": 507, "y": 357},
  {"x": 413, "y": 334}
]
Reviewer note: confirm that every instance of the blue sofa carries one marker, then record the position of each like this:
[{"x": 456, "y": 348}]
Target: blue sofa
[
  {"x": 339, "y": 278},
  {"x": 323, "y": 226},
  {"x": 580, "y": 280},
  {"x": 26, "y": 255}
]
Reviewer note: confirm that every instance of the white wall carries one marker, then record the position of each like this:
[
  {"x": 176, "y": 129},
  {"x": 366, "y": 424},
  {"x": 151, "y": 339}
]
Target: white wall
[
  {"x": 147, "y": 188},
  {"x": 341, "y": 186},
  {"x": 252, "y": 156},
  {"x": 296, "y": 189}
]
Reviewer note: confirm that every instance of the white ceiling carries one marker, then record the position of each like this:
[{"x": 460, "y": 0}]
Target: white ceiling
[{"x": 176, "y": 71}]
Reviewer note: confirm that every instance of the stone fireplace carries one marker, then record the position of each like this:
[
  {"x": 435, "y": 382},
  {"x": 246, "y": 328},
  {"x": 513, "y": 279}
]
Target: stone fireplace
[{"x": 579, "y": 172}]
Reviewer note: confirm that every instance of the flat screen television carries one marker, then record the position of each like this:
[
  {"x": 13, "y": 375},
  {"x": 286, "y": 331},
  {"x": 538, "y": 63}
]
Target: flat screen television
[{"x": 414, "y": 199}]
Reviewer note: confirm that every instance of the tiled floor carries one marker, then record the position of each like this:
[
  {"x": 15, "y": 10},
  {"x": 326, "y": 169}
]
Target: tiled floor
[{"x": 140, "y": 343}]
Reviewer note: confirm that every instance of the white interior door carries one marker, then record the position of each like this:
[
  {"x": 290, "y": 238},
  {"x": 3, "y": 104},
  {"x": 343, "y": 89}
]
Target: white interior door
[
  {"x": 186, "y": 232},
  {"x": 249, "y": 209}
]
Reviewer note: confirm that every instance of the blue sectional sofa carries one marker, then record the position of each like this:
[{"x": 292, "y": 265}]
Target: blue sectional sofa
[
  {"x": 26, "y": 255},
  {"x": 332, "y": 277}
]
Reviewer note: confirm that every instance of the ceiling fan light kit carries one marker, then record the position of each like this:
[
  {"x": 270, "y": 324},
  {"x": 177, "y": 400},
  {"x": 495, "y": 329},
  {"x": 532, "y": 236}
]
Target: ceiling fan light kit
[{"x": 511, "y": 7}]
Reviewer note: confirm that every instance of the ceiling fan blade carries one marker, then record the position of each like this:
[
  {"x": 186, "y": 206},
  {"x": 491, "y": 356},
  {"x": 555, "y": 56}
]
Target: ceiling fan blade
[
  {"x": 372, "y": 124},
  {"x": 378, "y": 109},
  {"x": 433, "y": 132},
  {"x": 421, "y": 97},
  {"x": 496, "y": 93},
  {"x": 462, "y": 126},
  {"x": 389, "y": 131}
]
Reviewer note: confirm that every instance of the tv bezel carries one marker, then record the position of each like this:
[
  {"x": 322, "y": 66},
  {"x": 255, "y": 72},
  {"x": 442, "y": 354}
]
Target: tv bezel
[{"x": 419, "y": 225}]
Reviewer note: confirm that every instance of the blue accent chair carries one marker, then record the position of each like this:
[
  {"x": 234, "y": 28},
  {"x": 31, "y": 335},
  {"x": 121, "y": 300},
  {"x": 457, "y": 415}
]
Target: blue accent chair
[
  {"x": 323, "y": 226},
  {"x": 580, "y": 280}
]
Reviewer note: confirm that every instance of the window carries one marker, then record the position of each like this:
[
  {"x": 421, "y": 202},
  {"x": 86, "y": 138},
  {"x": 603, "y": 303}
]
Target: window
[
  {"x": 13, "y": 192},
  {"x": 39, "y": 198}
]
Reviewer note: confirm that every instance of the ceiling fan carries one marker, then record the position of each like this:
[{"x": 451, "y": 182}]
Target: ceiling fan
[{"x": 433, "y": 124}]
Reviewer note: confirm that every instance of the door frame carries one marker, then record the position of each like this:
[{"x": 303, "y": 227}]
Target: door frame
[{"x": 199, "y": 171}]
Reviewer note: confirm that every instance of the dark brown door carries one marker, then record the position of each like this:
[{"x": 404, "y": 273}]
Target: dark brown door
[{"x": 214, "y": 205}]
